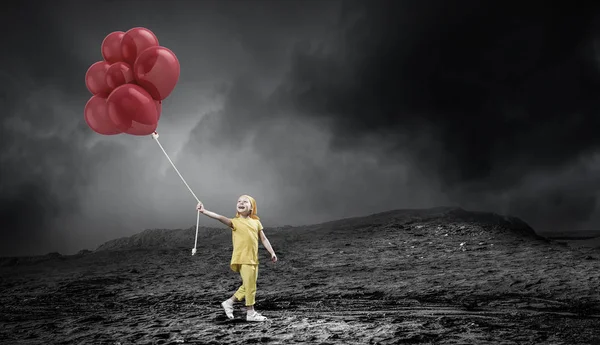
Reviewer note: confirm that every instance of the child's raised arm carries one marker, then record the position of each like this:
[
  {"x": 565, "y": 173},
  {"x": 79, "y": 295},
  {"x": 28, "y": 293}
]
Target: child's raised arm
[{"x": 213, "y": 215}]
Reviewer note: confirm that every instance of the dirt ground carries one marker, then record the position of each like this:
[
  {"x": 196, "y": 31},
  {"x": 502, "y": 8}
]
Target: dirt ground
[{"x": 399, "y": 278}]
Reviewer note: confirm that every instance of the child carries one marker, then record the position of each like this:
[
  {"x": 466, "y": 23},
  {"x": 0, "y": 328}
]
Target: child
[{"x": 246, "y": 229}]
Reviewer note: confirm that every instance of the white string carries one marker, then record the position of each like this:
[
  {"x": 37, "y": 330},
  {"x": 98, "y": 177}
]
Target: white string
[
  {"x": 197, "y": 223},
  {"x": 155, "y": 137}
]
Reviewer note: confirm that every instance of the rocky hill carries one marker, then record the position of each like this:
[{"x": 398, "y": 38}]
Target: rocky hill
[
  {"x": 159, "y": 238},
  {"x": 475, "y": 222}
]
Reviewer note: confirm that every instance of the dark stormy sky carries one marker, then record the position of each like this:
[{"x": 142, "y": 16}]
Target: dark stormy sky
[{"x": 319, "y": 109}]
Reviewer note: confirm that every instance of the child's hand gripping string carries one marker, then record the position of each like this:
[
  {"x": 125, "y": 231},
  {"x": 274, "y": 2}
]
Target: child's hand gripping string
[{"x": 213, "y": 215}]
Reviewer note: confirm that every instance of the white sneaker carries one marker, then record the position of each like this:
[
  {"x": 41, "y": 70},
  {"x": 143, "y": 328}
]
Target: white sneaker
[
  {"x": 228, "y": 307},
  {"x": 255, "y": 317}
]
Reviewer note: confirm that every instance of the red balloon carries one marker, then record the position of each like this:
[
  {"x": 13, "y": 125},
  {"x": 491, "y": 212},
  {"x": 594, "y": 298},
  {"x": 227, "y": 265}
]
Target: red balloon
[
  {"x": 118, "y": 74},
  {"x": 142, "y": 129},
  {"x": 133, "y": 110},
  {"x": 96, "y": 116},
  {"x": 111, "y": 47},
  {"x": 157, "y": 70},
  {"x": 134, "y": 42},
  {"x": 159, "y": 109},
  {"x": 95, "y": 78}
]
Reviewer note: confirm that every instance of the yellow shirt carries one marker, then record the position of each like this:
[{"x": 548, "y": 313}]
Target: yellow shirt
[{"x": 244, "y": 234}]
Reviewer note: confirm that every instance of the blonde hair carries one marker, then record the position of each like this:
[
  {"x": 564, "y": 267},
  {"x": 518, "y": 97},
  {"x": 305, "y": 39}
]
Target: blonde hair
[{"x": 254, "y": 210}]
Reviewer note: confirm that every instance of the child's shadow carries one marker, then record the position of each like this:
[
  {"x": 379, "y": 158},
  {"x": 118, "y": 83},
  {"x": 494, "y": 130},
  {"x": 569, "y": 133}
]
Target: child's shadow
[{"x": 222, "y": 319}]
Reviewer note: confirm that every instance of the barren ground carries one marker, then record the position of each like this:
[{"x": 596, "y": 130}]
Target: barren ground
[{"x": 395, "y": 278}]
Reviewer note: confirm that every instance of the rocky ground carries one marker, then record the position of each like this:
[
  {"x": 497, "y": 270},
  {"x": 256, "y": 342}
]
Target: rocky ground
[{"x": 439, "y": 276}]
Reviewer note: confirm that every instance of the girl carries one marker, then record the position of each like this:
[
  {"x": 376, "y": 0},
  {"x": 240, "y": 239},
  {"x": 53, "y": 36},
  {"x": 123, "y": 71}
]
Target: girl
[{"x": 246, "y": 229}]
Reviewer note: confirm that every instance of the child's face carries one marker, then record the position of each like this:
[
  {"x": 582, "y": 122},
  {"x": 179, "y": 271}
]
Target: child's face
[{"x": 244, "y": 206}]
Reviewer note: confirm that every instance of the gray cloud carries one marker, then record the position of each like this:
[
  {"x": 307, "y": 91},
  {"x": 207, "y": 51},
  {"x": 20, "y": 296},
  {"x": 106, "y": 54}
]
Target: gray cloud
[
  {"x": 320, "y": 110},
  {"x": 480, "y": 103}
]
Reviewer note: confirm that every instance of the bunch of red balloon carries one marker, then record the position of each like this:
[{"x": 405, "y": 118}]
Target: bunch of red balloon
[{"x": 128, "y": 86}]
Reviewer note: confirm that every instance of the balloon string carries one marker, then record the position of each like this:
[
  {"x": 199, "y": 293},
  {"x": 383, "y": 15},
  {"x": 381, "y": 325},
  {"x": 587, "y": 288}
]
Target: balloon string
[
  {"x": 155, "y": 136},
  {"x": 197, "y": 224}
]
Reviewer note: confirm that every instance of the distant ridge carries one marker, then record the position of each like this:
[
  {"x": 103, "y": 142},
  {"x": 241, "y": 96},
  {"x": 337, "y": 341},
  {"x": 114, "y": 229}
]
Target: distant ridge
[
  {"x": 572, "y": 235},
  {"x": 160, "y": 238},
  {"x": 184, "y": 238},
  {"x": 450, "y": 213}
]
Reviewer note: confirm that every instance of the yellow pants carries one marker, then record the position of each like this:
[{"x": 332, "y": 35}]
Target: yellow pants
[{"x": 249, "y": 275}]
